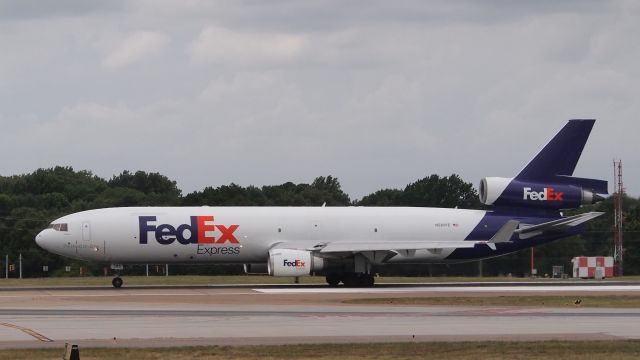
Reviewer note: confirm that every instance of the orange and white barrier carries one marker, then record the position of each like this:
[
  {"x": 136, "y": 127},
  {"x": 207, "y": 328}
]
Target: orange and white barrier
[{"x": 590, "y": 266}]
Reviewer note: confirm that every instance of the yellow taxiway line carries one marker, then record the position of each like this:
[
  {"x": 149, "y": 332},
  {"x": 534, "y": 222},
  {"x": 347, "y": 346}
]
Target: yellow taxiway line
[{"x": 27, "y": 331}]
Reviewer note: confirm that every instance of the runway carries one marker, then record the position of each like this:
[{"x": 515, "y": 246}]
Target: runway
[
  {"x": 289, "y": 314},
  {"x": 457, "y": 289}
]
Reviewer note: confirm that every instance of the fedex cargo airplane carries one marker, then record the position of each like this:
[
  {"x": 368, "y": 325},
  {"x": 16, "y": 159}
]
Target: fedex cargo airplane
[{"x": 344, "y": 242}]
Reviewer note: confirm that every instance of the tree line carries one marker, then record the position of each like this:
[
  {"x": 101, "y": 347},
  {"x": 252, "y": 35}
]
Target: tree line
[{"x": 29, "y": 202}]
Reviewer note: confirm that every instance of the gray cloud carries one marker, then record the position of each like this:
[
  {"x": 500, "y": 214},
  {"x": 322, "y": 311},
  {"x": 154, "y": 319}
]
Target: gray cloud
[
  {"x": 27, "y": 9},
  {"x": 375, "y": 93}
]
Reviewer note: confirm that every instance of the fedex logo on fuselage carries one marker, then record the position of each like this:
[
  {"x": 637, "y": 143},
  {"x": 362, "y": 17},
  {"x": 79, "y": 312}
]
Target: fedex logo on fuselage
[
  {"x": 547, "y": 194},
  {"x": 294, "y": 263},
  {"x": 200, "y": 230}
]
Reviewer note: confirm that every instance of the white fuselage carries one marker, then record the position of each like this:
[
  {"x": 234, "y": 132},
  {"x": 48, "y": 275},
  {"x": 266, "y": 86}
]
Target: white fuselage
[{"x": 245, "y": 234}]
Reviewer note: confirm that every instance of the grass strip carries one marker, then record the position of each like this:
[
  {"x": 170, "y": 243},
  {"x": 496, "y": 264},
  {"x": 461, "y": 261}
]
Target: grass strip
[
  {"x": 157, "y": 280},
  {"x": 621, "y": 349},
  {"x": 258, "y": 279}
]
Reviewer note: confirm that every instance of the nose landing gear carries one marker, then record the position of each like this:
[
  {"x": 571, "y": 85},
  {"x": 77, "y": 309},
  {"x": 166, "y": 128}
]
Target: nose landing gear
[{"x": 117, "y": 281}]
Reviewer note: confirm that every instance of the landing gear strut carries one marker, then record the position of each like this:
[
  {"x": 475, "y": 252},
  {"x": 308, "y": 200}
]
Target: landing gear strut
[{"x": 116, "y": 282}]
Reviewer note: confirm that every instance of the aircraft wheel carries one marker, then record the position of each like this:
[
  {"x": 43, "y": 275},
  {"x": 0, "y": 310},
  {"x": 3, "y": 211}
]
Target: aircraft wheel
[
  {"x": 333, "y": 279},
  {"x": 367, "y": 280},
  {"x": 350, "y": 280},
  {"x": 116, "y": 282}
]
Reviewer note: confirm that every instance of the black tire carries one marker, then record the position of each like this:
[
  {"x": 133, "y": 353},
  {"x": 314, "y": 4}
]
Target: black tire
[
  {"x": 333, "y": 279},
  {"x": 367, "y": 280},
  {"x": 350, "y": 280},
  {"x": 358, "y": 280},
  {"x": 116, "y": 282}
]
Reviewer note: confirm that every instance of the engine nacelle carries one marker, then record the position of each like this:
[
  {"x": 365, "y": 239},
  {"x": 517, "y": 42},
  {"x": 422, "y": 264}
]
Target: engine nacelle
[
  {"x": 292, "y": 262},
  {"x": 491, "y": 188},
  {"x": 514, "y": 193}
]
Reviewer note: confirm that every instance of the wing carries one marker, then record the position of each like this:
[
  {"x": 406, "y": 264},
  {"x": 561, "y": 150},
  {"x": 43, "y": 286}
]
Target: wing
[
  {"x": 502, "y": 235},
  {"x": 381, "y": 252},
  {"x": 359, "y": 246}
]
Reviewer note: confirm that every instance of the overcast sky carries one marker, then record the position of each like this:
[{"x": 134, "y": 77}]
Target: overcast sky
[{"x": 376, "y": 93}]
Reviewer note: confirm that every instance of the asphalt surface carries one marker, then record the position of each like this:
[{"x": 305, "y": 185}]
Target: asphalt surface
[{"x": 173, "y": 316}]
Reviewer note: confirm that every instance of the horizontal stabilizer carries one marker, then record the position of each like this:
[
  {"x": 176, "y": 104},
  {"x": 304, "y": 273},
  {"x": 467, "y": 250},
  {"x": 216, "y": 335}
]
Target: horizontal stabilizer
[{"x": 526, "y": 232}]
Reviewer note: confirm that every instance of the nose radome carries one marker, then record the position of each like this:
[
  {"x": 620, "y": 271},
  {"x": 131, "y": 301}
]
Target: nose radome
[{"x": 41, "y": 239}]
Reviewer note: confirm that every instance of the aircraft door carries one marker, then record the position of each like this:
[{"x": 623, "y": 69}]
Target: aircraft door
[
  {"x": 89, "y": 247},
  {"x": 86, "y": 231}
]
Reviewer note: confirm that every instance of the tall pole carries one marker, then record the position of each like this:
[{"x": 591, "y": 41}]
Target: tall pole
[
  {"x": 618, "y": 250},
  {"x": 20, "y": 264},
  {"x": 166, "y": 269},
  {"x": 147, "y": 270}
]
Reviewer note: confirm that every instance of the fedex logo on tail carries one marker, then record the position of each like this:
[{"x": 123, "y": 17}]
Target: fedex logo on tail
[
  {"x": 200, "y": 230},
  {"x": 547, "y": 194}
]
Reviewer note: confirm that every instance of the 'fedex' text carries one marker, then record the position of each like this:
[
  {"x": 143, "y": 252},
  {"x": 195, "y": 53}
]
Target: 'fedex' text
[
  {"x": 200, "y": 230},
  {"x": 294, "y": 263},
  {"x": 547, "y": 194}
]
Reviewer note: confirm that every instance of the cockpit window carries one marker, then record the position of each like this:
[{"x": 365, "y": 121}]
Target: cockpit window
[{"x": 59, "y": 227}]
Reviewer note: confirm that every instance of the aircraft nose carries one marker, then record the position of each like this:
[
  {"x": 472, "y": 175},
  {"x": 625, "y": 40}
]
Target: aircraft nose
[{"x": 42, "y": 239}]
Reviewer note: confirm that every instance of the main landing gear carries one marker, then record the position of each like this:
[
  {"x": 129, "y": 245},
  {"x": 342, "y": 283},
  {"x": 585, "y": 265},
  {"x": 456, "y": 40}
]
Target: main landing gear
[
  {"x": 117, "y": 282},
  {"x": 350, "y": 279}
]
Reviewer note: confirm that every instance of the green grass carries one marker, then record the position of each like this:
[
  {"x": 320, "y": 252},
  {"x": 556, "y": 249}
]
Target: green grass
[
  {"x": 157, "y": 280},
  {"x": 578, "y": 350},
  {"x": 615, "y": 301},
  {"x": 253, "y": 279}
]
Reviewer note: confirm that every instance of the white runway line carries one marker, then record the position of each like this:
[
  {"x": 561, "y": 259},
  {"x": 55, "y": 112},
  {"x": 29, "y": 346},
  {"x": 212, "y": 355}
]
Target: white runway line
[
  {"x": 64, "y": 295},
  {"x": 470, "y": 289}
]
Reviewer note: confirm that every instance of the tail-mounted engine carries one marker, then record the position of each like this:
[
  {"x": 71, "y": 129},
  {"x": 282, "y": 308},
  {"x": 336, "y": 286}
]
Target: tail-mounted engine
[{"x": 511, "y": 192}]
